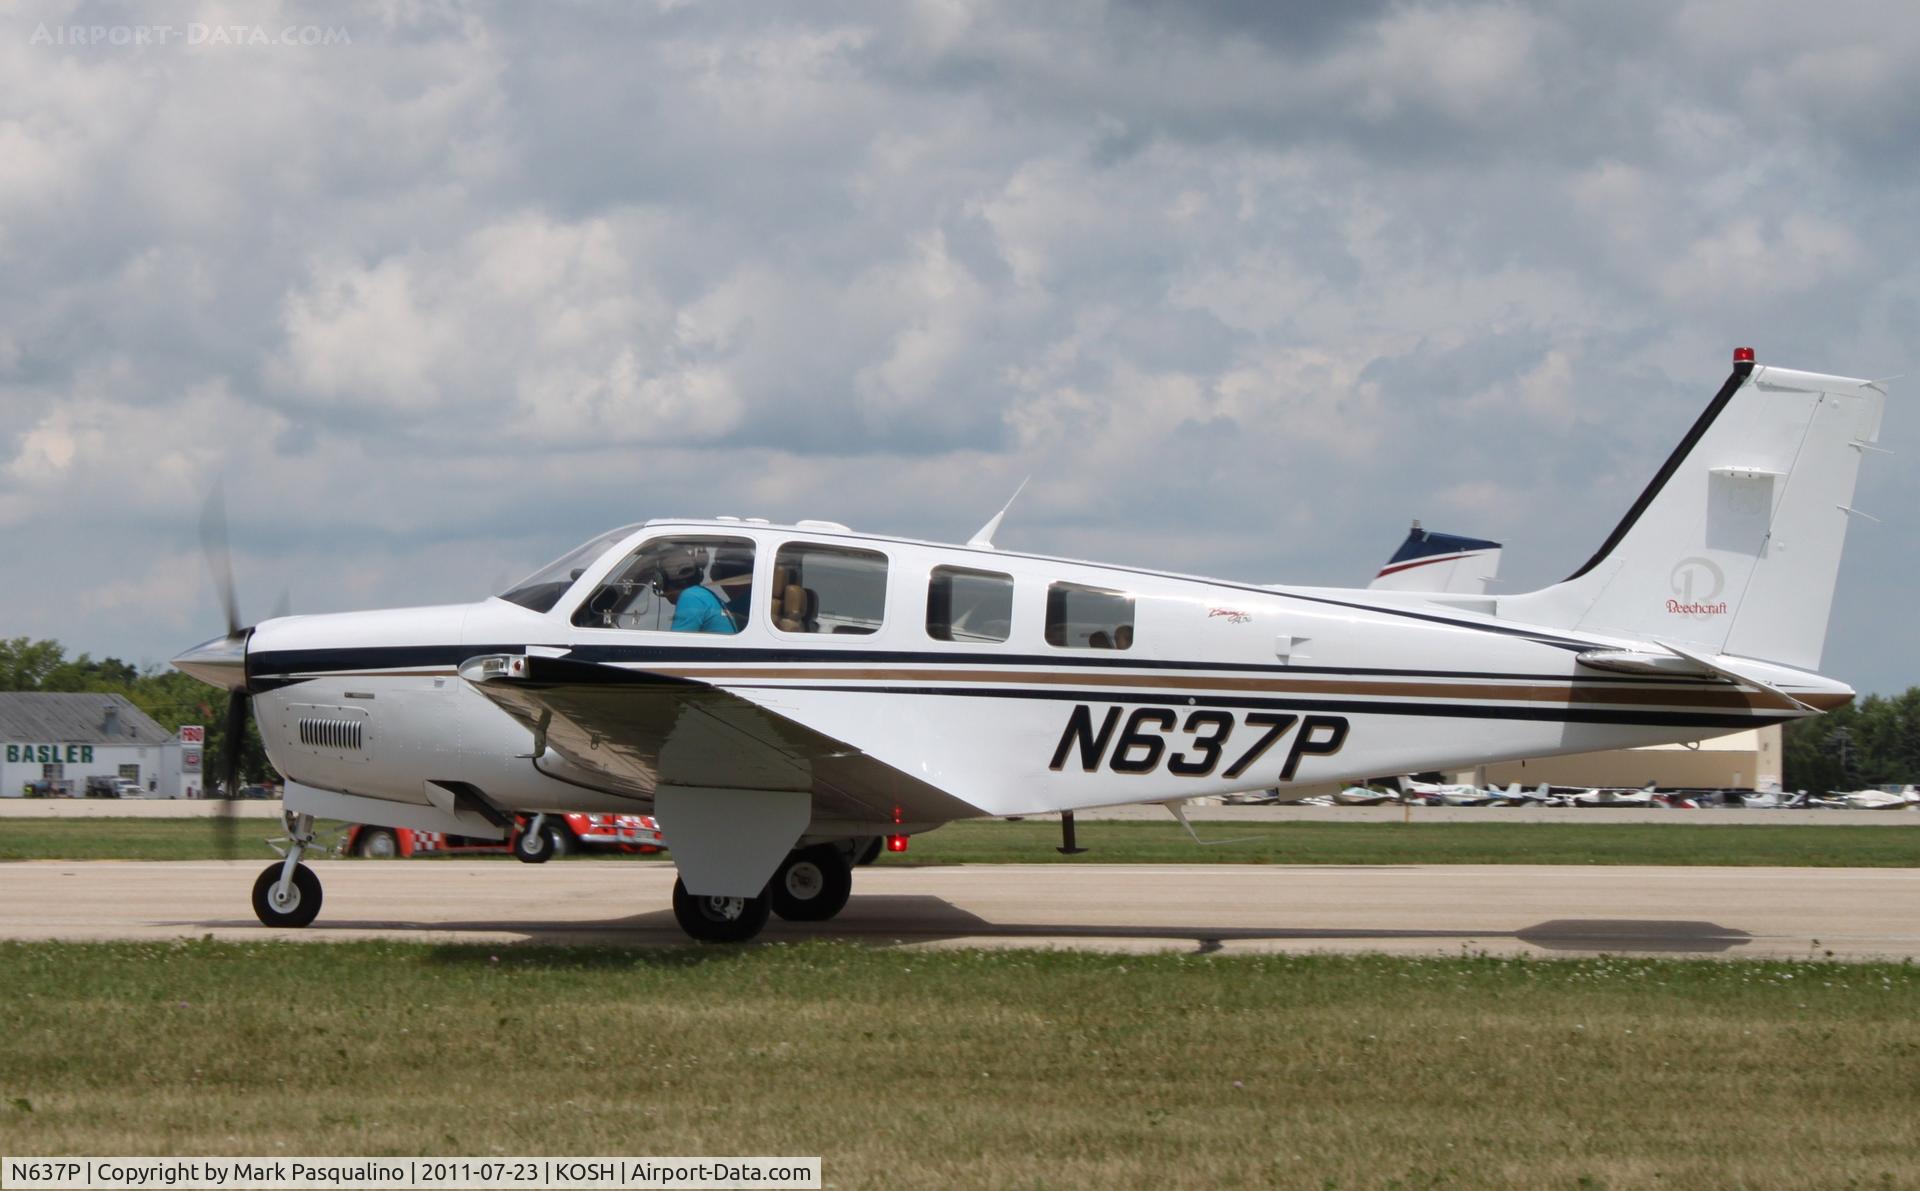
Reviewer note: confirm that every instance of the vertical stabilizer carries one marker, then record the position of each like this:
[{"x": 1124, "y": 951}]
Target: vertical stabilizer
[{"x": 1734, "y": 548}]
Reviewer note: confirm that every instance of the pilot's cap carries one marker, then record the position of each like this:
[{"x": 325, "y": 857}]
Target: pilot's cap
[{"x": 680, "y": 568}]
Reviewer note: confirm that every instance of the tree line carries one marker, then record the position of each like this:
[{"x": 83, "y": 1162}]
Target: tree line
[
  {"x": 170, "y": 697},
  {"x": 1873, "y": 741}
]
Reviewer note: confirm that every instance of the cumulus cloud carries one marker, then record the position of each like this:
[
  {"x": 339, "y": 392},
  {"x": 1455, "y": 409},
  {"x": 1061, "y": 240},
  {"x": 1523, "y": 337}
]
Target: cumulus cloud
[
  {"x": 551, "y": 331},
  {"x": 1242, "y": 286},
  {"x": 1745, "y": 258}
]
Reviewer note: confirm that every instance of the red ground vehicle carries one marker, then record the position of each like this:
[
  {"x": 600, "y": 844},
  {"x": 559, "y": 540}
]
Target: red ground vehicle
[{"x": 533, "y": 840}]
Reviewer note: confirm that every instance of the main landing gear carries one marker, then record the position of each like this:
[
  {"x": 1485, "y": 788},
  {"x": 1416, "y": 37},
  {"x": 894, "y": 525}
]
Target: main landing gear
[
  {"x": 287, "y": 893},
  {"x": 719, "y": 919},
  {"x": 811, "y": 885}
]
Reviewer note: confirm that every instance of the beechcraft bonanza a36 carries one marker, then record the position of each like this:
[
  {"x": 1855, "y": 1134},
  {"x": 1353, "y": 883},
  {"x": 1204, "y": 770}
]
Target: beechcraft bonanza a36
[{"x": 782, "y": 698}]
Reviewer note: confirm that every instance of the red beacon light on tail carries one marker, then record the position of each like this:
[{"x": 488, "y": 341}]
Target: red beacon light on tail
[
  {"x": 1743, "y": 355},
  {"x": 896, "y": 843}
]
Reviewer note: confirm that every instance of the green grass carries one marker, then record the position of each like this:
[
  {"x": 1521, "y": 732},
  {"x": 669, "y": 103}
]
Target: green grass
[
  {"x": 1422, "y": 843},
  {"x": 137, "y": 839},
  {"x": 1010, "y": 1068},
  {"x": 996, "y": 842}
]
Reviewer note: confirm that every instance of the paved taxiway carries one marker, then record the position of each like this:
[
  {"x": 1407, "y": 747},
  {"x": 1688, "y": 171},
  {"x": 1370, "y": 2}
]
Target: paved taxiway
[{"x": 1419, "y": 909}]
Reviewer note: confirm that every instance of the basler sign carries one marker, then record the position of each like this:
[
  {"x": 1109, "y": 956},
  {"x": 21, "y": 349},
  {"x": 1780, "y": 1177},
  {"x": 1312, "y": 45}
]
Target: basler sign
[{"x": 61, "y": 754}]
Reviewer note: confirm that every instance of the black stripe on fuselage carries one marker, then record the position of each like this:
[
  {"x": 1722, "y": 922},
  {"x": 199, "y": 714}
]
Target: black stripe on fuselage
[
  {"x": 289, "y": 667},
  {"x": 1568, "y": 715},
  {"x": 308, "y": 663}
]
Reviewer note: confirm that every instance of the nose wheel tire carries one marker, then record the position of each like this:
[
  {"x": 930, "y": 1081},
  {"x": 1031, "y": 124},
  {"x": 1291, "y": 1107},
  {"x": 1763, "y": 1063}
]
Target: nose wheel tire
[
  {"x": 812, "y": 884},
  {"x": 298, "y": 907},
  {"x": 719, "y": 919}
]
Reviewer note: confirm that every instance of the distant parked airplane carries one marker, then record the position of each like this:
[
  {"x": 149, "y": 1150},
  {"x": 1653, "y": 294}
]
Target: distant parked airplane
[{"x": 1439, "y": 562}]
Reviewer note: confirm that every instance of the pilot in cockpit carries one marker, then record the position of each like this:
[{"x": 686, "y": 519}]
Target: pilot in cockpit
[{"x": 696, "y": 609}]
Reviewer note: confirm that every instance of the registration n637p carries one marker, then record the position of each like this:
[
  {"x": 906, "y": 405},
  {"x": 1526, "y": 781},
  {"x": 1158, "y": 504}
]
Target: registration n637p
[{"x": 1195, "y": 745}]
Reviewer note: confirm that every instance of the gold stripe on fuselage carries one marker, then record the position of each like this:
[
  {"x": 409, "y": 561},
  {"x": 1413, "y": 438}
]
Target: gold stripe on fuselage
[
  {"x": 1567, "y": 693},
  {"x": 1533, "y": 692}
]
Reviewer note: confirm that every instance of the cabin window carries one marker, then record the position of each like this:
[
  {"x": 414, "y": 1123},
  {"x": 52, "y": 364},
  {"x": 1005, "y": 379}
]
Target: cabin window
[
  {"x": 964, "y": 605},
  {"x": 680, "y": 584},
  {"x": 828, "y": 589},
  {"x": 1089, "y": 617}
]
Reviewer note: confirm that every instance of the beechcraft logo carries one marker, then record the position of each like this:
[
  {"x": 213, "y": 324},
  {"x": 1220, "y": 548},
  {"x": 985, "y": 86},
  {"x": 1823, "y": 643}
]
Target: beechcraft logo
[{"x": 1696, "y": 583}]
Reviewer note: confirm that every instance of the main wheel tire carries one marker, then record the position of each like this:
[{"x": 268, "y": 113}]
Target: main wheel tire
[
  {"x": 535, "y": 847},
  {"x": 718, "y": 919},
  {"x": 302, "y": 904},
  {"x": 377, "y": 843},
  {"x": 812, "y": 884},
  {"x": 871, "y": 852}
]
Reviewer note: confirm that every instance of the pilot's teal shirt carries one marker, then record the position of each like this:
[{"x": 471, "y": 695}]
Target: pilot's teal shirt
[{"x": 700, "y": 611}]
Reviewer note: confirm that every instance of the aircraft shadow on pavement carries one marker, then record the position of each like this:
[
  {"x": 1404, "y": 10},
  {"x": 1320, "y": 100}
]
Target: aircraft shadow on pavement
[
  {"x": 887, "y": 919},
  {"x": 922, "y": 918}
]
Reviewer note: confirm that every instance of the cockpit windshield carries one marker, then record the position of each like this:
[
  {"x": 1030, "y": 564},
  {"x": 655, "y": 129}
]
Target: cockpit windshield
[{"x": 541, "y": 590}]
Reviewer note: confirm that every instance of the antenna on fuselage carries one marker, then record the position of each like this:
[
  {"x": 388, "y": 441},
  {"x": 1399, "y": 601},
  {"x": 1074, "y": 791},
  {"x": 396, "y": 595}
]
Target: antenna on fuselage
[{"x": 984, "y": 539}]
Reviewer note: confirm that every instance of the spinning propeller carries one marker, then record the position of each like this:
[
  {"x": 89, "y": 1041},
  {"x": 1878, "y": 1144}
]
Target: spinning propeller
[{"x": 222, "y": 662}]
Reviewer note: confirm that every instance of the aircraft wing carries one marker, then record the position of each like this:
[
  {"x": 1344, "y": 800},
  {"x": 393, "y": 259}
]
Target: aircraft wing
[{"x": 633, "y": 730}]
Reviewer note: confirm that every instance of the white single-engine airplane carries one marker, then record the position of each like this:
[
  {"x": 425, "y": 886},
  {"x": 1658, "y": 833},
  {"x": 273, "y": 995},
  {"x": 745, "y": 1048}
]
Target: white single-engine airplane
[{"x": 842, "y": 688}]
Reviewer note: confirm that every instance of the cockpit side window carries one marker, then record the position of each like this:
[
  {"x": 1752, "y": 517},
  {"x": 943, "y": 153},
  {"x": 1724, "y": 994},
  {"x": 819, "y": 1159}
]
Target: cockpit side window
[
  {"x": 541, "y": 590},
  {"x": 1089, "y": 617},
  {"x": 678, "y": 584}
]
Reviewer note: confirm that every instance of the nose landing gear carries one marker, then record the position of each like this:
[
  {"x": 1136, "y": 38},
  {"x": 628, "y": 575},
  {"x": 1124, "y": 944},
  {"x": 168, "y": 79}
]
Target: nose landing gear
[{"x": 287, "y": 893}]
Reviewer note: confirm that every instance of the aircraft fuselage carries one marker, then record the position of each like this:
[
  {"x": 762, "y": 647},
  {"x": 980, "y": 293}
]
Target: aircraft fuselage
[{"x": 1222, "y": 686}]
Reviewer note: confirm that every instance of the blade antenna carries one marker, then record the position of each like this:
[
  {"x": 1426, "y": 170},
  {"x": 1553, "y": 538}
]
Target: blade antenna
[
  {"x": 984, "y": 539},
  {"x": 1177, "y": 808}
]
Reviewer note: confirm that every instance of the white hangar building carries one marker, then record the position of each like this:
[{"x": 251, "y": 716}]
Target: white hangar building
[{"x": 64, "y": 739}]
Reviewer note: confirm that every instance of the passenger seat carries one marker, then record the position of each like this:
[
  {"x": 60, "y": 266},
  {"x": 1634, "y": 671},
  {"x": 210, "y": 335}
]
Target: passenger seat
[{"x": 796, "y": 607}]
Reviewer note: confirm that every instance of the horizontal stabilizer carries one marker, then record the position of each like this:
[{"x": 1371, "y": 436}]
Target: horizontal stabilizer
[{"x": 1733, "y": 671}]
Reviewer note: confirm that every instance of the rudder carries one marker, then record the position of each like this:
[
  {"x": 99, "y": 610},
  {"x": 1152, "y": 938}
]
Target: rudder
[{"x": 1734, "y": 548}]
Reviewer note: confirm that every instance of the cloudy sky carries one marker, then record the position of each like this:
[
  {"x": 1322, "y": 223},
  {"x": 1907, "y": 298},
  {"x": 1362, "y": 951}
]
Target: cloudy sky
[{"x": 440, "y": 290}]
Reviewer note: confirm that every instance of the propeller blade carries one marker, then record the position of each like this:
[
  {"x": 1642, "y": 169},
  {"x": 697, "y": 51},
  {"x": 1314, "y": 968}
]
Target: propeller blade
[
  {"x": 213, "y": 540},
  {"x": 232, "y": 739}
]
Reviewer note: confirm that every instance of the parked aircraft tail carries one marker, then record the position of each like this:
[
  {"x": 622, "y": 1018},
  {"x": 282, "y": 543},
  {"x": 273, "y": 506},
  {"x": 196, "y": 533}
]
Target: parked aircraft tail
[
  {"x": 1734, "y": 548},
  {"x": 1441, "y": 562}
]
